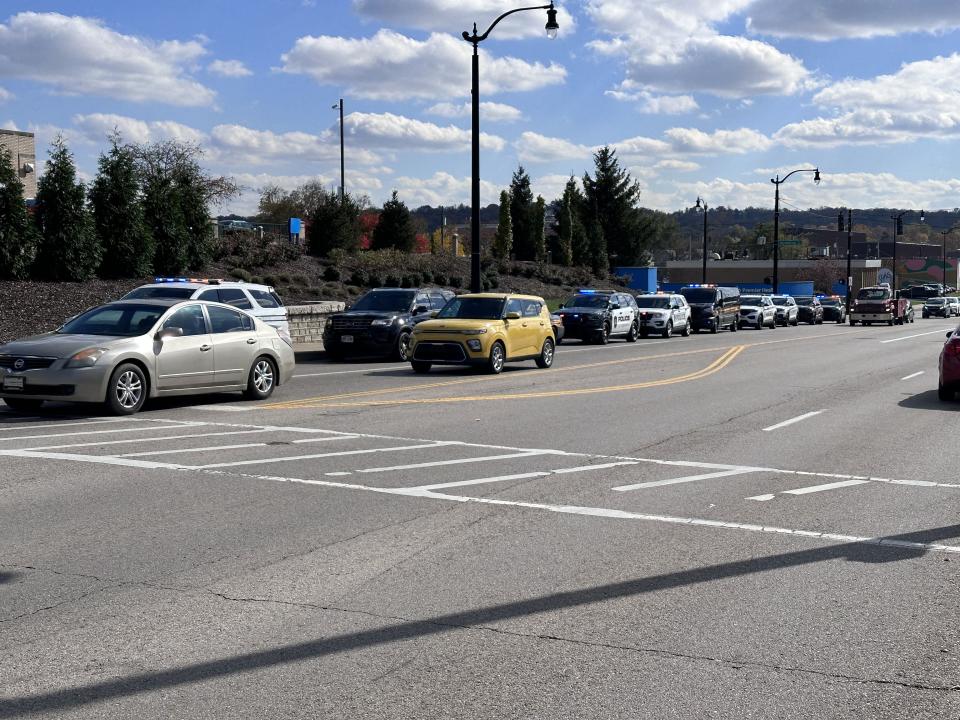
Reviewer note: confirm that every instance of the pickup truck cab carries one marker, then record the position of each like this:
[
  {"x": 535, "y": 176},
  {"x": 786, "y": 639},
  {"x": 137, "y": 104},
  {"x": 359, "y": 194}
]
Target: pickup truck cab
[{"x": 878, "y": 305}]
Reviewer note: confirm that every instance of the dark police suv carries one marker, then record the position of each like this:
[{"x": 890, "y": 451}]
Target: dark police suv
[
  {"x": 381, "y": 321},
  {"x": 596, "y": 316},
  {"x": 712, "y": 307}
]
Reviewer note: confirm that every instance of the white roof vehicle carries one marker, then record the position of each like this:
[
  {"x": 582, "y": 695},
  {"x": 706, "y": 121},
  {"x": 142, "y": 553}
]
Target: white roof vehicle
[{"x": 261, "y": 301}]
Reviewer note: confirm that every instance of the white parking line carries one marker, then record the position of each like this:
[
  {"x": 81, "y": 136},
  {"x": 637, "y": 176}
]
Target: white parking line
[
  {"x": 688, "y": 479},
  {"x": 213, "y": 448},
  {"x": 165, "y": 438},
  {"x": 70, "y": 424},
  {"x": 456, "y": 461},
  {"x": 150, "y": 428},
  {"x": 828, "y": 486},
  {"x": 524, "y": 476},
  {"x": 911, "y": 377},
  {"x": 224, "y": 408},
  {"x": 762, "y": 498},
  {"x": 391, "y": 368},
  {"x": 367, "y": 451},
  {"x": 910, "y": 337},
  {"x": 791, "y": 421}
]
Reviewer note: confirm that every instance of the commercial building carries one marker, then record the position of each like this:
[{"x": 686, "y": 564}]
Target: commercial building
[{"x": 23, "y": 152}]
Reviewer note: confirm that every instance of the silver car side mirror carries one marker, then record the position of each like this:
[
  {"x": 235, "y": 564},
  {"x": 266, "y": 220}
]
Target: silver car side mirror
[{"x": 170, "y": 332}]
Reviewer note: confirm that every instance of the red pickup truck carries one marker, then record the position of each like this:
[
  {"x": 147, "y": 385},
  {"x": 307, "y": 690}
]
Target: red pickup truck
[{"x": 878, "y": 305}]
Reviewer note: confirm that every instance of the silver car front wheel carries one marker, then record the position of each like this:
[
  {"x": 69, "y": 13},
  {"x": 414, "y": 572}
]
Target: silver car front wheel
[
  {"x": 127, "y": 390},
  {"x": 262, "y": 379}
]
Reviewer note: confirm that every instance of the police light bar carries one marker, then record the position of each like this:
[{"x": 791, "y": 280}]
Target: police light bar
[
  {"x": 203, "y": 281},
  {"x": 699, "y": 285},
  {"x": 587, "y": 291}
]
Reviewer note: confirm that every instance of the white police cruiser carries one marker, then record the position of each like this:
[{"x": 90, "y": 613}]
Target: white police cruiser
[
  {"x": 664, "y": 314},
  {"x": 596, "y": 316},
  {"x": 757, "y": 311},
  {"x": 261, "y": 301}
]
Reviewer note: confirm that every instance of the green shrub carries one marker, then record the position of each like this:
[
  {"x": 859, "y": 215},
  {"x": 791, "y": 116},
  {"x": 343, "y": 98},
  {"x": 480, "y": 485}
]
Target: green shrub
[
  {"x": 283, "y": 278},
  {"x": 456, "y": 281},
  {"x": 241, "y": 274},
  {"x": 331, "y": 273},
  {"x": 427, "y": 277},
  {"x": 358, "y": 277},
  {"x": 439, "y": 279},
  {"x": 392, "y": 281}
]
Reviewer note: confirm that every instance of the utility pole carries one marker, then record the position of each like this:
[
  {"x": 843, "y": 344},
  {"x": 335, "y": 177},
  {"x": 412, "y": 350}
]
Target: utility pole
[
  {"x": 343, "y": 182},
  {"x": 849, "y": 253}
]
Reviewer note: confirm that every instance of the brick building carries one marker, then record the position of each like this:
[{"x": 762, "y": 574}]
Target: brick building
[{"x": 23, "y": 153}]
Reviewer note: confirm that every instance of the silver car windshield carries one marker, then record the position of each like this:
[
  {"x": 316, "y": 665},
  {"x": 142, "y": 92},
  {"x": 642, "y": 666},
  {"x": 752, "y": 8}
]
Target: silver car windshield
[{"x": 115, "y": 321}]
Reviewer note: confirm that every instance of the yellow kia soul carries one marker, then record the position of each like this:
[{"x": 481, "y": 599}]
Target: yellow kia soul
[{"x": 485, "y": 329}]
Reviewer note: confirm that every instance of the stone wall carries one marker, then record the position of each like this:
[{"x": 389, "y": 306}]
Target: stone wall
[{"x": 307, "y": 321}]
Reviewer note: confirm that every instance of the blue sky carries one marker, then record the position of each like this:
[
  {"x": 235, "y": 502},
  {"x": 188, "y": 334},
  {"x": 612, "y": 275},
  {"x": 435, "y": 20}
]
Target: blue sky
[{"x": 699, "y": 97}]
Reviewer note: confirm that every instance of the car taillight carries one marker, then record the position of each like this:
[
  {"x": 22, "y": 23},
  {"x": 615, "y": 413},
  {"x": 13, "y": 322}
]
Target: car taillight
[{"x": 952, "y": 348}]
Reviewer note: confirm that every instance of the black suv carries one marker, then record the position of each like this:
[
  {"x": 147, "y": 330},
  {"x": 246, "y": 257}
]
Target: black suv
[
  {"x": 811, "y": 311},
  {"x": 712, "y": 307},
  {"x": 380, "y": 322},
  {"x": 596, "y": 316}
]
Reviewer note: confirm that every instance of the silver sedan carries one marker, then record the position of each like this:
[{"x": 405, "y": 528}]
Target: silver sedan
[{"x": 127, "y": 351}]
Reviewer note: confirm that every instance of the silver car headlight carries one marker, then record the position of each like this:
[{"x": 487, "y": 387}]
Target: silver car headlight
[
  {"x": 85, "y": 358},
  {"x": 381, "y": 322}
]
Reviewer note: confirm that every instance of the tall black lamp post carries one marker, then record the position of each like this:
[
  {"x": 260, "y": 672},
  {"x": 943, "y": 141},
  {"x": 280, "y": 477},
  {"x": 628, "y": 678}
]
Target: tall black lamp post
[
  {"x": 943, "y": 234},
  {"x": 343, "y": 182},
  {"x": 849, "y": 254},
  {"x": 551, "y": 27},
  {"x": 778, "y": 181},
  {"x": 897, "y": 232},
  {"x": 702, "y": 205}
]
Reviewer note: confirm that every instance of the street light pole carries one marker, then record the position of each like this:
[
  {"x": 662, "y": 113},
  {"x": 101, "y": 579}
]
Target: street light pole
[
  {"x": 849, "y": 252},
  {"x": 776, "y": 220},
  {"x": 703, "y": 274},
  {"x": 551, "y": 27},
  {"x": 343, "y": 181}
]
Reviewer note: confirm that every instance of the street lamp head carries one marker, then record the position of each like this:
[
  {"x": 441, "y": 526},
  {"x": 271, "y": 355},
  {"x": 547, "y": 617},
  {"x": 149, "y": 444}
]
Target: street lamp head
[
  {"x": 816, "y": 176},
  {"x": 922, "y": 216},
  {"x": 552, "y": 27},
  {"x": 698, "y": 205}
]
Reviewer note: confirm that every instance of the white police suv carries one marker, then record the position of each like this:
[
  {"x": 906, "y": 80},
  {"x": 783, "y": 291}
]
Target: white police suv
[
  {"x": 663, "y": 314},
  {"x": 757, "y": 311},
  {"x": 261, "y": 301}
]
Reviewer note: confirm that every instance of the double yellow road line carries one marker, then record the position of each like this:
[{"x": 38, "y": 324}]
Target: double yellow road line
[{"x": 357, "y": 399}]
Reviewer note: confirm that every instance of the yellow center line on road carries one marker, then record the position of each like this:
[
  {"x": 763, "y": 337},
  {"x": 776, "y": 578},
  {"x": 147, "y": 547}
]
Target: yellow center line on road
[
  {"x": 714, "y": 367},
  {"x": 309, "y": 402}
]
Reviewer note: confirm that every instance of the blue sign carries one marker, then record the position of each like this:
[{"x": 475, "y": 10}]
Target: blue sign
[{"x": 294, "y": 226}]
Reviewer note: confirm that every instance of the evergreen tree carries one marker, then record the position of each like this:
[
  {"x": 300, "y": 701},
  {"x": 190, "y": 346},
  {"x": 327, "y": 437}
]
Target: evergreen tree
[
  {"x": 540, "y": 230},
  {"x": 118, "y": 215},
  {"x": 613, "y": 197},
  {"x": 564, "y": 232},
  {"x": 18, "y": 237},
  {"x": 395, "y": 229},
  {"x": 334, "y": 224},
  {"x": 196, "y": 218},
  {"x": 503, "y": 240},
  {"x": 574, "y": 244},
  {"x": 598, "y": 256},
  {"x": 521, "y": 215},
  {"x": 69, "y": 248},
  {"x": 164, "y": 216}
]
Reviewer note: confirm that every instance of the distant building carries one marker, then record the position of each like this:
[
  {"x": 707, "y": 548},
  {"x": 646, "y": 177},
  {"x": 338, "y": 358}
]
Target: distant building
[{"x": 23, "y": 152}]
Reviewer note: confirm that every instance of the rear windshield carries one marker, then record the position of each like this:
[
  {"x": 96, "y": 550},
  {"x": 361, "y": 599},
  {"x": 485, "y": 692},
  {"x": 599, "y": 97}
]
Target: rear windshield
[
  {"x": 699, "y": 295},
  {"x": 656, "y": 301},
  {"x": 115, "y": 321},
  {"x": 473, "y": 308},
  {"x": 781, "y": 301},
  {"x": 805, "y": 301},
  {"x": 586, "y": 301},
  {"x": 386, "y": 301},
  {"x": 164, "y": 291},
  {"x": 873, "y": 294},
  {"x": 751, "y": 300}
]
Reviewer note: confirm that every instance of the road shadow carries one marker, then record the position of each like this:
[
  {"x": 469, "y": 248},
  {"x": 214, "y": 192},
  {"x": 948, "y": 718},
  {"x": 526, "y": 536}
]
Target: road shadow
[
  {"x": 928, "y": 400},
  {"x": 6, "y": 577},
  {"x": 51, "y": 410},
  {"x": 881, "y": 550}
]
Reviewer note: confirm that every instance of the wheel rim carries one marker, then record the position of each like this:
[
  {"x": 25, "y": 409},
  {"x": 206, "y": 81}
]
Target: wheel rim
[
  {"x": 129, "y": 389},
  {"x": 263, "y": 376},
  {"x": 403, "y": 346},
  {"x": 547, "y": 353},
  {"x": 497, "y": 358}
]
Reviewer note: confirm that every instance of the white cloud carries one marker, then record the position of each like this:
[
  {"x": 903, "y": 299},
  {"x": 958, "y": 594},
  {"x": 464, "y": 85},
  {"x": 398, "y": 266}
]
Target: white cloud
[
  {"x": 489, "y": 111},
  {"x": 833, "y": 20},
  {"x": 453, "y": 16},
  {"x": 533, "y": 148},
  {"x": 672, "y": 46},
  {"x": 920, "y": 100},
  {"x": 240, "y": 144},
  {"x": 77, "y": 55},
  {"x": 443, "y": 188},
  {"x": 651, "y": 104},
  {"x": 396, "y": 132},
  {"x": 229, "y": 68},
  {"x": 6, "y": 95},
  {"x": 96, "y": 127},
  {"x": 391, "y": 66},
  {"x": 677, "y": 165},
  {"x": 719, "y": 142},
  {"x": 8, "y": 125},
  {"x": 551, "y": 187}
]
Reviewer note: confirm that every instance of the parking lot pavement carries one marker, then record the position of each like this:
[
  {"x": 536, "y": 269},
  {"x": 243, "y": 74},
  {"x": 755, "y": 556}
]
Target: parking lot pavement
[{"x": 664, "y": 530}]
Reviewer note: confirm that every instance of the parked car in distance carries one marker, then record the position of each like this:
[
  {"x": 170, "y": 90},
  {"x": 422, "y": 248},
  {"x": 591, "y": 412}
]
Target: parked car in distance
[
  {"x": 920, "y": 292},
  {"x": 834, "y": 308},
  {"x": 877, "y": 304},
  {"x": 757, "y": 311},
  {"x": 261, "y": 301},
  {"x": 127, "y": 351},
  {"x": 664, "y": 314},
  {"x": 712, "y": 307},
  {"x": 486, "y": 329},
  {"x": 811, "y": 311},
  {"x": 787, "y": 311},
  {"x": 955, "y": 304},
  {"x": 950, "y": 367},
  {"x": 558, "y": 332},
  {"x": 937, "y": 307},
  {"x": 381, "y": 322},
  {"x": 597, "y": 316}
]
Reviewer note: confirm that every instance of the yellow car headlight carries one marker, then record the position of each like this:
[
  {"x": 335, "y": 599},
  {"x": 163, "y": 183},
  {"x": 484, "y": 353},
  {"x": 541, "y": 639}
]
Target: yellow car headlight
[{"x": 478, "y": 331}]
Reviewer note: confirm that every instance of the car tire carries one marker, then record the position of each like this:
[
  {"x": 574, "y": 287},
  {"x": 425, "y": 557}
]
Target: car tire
[
  {"x": 945, "y": 393},
  {"x": 497, "y": 359},
  {"x": 760, "y": 323},
  {"x": 545, "y": 359},
  {"x": 686, "y": 330},
  {"x": 796, "y": 321},
  {"x": 634, "y": 332},
  {"x": 23, "y": 404},
  {"x": 715, "y": 328},
  {"x": 262, "y": 379},
  {"x": 604, "y": 336},
  {"x": 127, "y": 390},
  {"x": 773, "y": 325},
  {"x": 735, "y": 326},
  {"x": 420, "y": 367},
  {"x": 668, "y": 330},
  {"x": 852, "y": 322},
  {"x": 559, "y": 341},
  {"x": 401, "y": 350}
]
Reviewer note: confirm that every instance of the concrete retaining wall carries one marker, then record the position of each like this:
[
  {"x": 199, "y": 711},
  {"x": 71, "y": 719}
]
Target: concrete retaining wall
[{"x": 307, "y": 321}]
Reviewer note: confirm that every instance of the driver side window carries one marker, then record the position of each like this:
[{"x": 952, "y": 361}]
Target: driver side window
[
  {"x": 189, "y": 319},
  {"x": 513, "y": 305}
]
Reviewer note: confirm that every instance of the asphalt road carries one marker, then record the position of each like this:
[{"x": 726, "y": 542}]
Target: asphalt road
[{"x": 638, "y": 532}]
